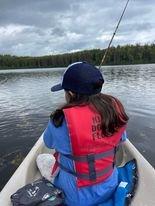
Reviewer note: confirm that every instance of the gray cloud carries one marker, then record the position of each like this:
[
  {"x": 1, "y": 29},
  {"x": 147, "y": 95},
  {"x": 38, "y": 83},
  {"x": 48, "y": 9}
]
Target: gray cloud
[{"x": 43, "y": 27}]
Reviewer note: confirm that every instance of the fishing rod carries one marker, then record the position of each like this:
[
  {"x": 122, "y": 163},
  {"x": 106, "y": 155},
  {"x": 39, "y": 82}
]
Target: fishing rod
[{"x": 106, "y": 52}]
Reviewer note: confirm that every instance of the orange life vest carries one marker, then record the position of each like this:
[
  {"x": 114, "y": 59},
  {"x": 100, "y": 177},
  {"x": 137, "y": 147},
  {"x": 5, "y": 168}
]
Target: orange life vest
[{"x": 93, "y": 153}]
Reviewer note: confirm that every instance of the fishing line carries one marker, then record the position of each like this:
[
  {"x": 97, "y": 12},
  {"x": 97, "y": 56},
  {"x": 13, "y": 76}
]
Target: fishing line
[{"x": 106, "y": 52}]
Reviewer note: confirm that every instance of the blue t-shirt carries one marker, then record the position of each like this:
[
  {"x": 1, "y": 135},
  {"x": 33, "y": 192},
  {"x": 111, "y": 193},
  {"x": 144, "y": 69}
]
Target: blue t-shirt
[{"x": 58, "y": 139}]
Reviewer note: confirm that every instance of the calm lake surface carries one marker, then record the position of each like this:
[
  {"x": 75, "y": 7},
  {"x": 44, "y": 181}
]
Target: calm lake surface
[{"x": 26, "y": 103}]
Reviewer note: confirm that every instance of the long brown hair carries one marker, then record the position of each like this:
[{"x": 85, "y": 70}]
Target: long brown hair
[{"x": 112, "y": 112}]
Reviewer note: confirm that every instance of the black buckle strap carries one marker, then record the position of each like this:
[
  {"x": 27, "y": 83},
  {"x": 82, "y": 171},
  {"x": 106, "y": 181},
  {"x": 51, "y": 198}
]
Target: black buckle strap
[{"x": 91, "y": 166}]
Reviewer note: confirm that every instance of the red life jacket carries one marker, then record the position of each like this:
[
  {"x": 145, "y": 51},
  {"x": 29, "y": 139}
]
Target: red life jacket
[{"x": 93, "y": 153}]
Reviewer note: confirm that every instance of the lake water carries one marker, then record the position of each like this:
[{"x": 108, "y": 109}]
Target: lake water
[{"x": 26, "y": 103}]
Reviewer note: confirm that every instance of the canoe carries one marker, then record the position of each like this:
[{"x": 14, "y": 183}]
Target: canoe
[{"x": 27, "y": 172}]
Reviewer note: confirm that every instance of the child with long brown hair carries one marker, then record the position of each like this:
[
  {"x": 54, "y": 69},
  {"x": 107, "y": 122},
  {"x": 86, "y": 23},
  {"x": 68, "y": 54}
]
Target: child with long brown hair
[{"x": 85, "y": 132}]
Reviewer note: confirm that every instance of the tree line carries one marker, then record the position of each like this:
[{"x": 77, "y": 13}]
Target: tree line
[{"x": 128, "y": 54}]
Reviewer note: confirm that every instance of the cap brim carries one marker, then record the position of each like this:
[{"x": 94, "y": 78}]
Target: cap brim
[{"x": 56, "y": 88}]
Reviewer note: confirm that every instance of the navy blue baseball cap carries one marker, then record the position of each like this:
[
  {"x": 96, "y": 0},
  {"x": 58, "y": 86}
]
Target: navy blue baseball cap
[{"x": 81, "y": 78}]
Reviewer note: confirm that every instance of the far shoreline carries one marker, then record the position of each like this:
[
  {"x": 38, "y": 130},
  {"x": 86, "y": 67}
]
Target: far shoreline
[
  {"x": 62, "y": 68},
  {"x": 120, "y": 55}
]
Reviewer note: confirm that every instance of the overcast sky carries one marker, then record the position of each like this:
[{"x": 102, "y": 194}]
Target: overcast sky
[{"x": 41, "y": 27}]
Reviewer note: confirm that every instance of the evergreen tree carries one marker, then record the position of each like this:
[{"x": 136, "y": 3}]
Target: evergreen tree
[{"x": 128, "y": 54}]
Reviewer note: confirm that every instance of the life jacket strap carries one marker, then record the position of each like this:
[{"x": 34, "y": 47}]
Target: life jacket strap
[
  {"x": 87, "y": 176},
  {"x": 84, "y": 158},
  {"x": 90, "y": 159}
]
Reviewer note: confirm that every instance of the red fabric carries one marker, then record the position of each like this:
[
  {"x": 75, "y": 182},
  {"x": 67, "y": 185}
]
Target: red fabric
[
  {"x": 55, "y": 167},
  {"x": 86, "y": 137}
]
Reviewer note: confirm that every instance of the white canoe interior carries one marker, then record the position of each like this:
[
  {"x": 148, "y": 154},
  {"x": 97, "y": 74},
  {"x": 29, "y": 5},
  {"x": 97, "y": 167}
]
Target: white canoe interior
[{"x": 27, "y": 172}]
